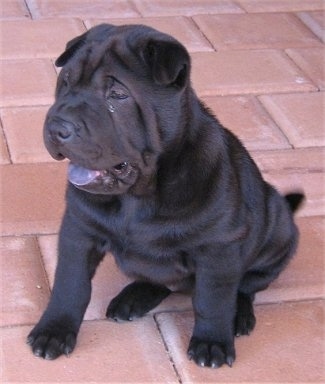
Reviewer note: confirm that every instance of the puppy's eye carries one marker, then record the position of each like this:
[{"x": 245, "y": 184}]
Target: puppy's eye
[
  {"x": 121, "y": 167},
  {"x": 118, "y": 94}
]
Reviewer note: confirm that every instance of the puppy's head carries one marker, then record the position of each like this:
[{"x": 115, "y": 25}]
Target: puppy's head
[{"x": 118, "y": 106}]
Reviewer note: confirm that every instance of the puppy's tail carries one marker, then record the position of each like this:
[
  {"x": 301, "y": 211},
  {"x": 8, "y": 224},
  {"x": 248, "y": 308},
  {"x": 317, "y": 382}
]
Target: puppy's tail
[{"x": 294, "y": 200}]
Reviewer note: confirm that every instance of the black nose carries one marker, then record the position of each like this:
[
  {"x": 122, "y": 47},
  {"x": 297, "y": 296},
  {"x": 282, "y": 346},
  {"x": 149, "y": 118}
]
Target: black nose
[{"x": 60, "y": 130}]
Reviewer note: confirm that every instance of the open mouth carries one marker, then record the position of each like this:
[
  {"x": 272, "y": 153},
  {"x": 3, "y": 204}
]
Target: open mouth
[{"x": 102, "y": 181}]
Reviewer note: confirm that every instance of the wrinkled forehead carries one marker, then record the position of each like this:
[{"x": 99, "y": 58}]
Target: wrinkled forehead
[
  {"x": 130, "y": 34},
  {"x": 112, "y": 47}
]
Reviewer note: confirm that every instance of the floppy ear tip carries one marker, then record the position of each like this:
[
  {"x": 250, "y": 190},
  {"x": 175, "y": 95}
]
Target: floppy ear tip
[
  {"x": 61, "y": 60},
  {"x": 72, "y": 47},
  {"x": 64, "y": 57},
  {"x": 169, "y": 61}
]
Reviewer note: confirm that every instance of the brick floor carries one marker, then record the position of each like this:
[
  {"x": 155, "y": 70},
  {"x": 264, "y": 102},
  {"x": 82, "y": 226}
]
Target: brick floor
[
  {"x": 11, "y": 9},
  {"x": 25, "y": 289},
  {"x": 101, "y": 356},
  {"x": 251, "y": 123},
  {"x": 260, "y": 6},
  {"x": 311, "y": 61},
  {"x": 299, "y": 116},
  {"x": 279, "y": 326},
  {"x": 82, "y": 9},
  {"x": 185, "y": 7},
  {"x": 247, "y": 72},
  {"x": 4, "y": 154},
  {"x": 315, "y": 21},
  {"x": 37, "y": 38},
  {"x": 28, "y": 212},
  {"x": 259, "y": 66},
  {"x": 238, "y": 31},
  {"x": 27, "y": 82},
  {"x": 26, "y": 145}
]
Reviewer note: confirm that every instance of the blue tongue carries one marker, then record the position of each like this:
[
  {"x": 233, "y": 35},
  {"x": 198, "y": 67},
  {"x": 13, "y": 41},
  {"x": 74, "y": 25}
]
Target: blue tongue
[{"x": 81, "y": 176}]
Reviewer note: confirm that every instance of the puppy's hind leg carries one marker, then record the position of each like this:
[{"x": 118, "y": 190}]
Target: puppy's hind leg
[
  {"x": 259, "y": 278},
  {"x": 253, "y": 281},
  {"x": 135, "y": 300}
]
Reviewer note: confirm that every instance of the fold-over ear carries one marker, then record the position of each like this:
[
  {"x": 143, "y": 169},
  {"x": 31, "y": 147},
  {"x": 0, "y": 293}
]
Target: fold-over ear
[
  {"x": 97, "y": 34},
  {"x": 169, "y": 62},
  {"x": 71, "y": 48}
]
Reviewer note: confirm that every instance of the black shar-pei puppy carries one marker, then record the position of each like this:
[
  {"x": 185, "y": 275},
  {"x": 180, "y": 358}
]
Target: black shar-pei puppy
[{"x": 156, "y": 180}]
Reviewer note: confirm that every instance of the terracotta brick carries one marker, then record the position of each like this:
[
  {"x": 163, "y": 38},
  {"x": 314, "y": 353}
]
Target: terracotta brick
[
  {"x": 81, "y": 8},
  {"x": 185, "y": 7},
  {"x": 311, "y": 61},
  {"x": 182, "y": 28},
  {"x": 315, "y": 21},
  {"x": 174, "y": 303},
  {"x": 286, "y": 346},
  {"x": 38, "y": 38},
  {"x": 27, "y": 82},
  {"x": 11, "y": 9},
  {"x": 312, "y": 184},
  {"x": 254, "y": 31},
  {"x": 304, "y": 278},
  {"x": 300, "y": 116},
  {"x": 24, "y": 289},
  {"x": 23, "y": 128},
  {"x": 297, "y": 170},
  {"x": 247, "y": 119},
  {"x": 280, "y": 6},
  {"x": 105, "y": 352},
  {"x": 242, "y": 72},
  {"x": 308, "y": 160},
  {"x": 4, "y": 154},
  {"x": 32, "y": 198}
]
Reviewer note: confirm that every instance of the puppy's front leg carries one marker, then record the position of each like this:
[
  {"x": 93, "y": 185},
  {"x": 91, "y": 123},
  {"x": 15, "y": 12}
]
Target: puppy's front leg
[
  {"x": 214, "y": 302},
  {"x": 56, "y": 332}
]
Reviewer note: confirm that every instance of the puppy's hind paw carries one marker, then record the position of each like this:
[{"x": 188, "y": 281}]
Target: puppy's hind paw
[{"x": 135, "y": 300}]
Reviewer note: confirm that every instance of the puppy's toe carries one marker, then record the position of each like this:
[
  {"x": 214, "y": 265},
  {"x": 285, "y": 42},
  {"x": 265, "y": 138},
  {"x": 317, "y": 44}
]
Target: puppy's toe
[
  {"x": 211, "y": 354},
  {"x": 51, "y": 342}
]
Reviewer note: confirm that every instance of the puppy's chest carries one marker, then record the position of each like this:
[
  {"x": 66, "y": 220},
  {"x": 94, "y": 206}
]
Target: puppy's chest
[
  {"x": 148, "y": 236},
  {"x": 155, "y": 258},
  {"x": 145, "y": 246},
  {"x": 140, "y": 229}
]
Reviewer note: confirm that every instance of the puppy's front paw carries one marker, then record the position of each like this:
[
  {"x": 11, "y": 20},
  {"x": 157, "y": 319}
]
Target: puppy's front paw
[
  {"x": 52, "y": 340},
  {"x": 211, "y": 354}
]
